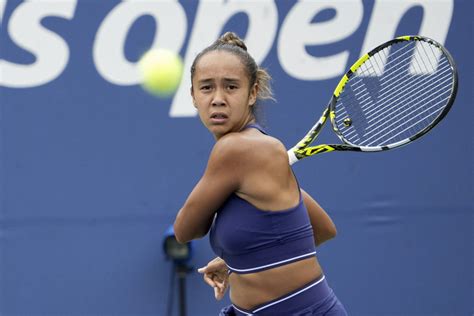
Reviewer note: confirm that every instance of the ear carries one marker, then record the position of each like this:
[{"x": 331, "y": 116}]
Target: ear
[
  {"x": 192, "y": 95},
  {"x": 253, "y": 95}
]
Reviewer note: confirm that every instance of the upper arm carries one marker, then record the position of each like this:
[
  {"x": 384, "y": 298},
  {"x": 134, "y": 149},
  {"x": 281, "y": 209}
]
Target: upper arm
[
  {"x": 221, "y": 177},
  {"x": 323, "y": 227}
]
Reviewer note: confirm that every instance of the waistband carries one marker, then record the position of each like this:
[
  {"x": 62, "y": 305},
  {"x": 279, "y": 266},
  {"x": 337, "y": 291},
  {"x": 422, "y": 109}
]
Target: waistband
[
  {"x": 271, "y": 265},
  {"x": 301, "y": 298},
  {"x": 271, "y": 257}
]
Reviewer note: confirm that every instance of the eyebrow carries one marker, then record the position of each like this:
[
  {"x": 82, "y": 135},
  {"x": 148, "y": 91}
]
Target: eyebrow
[{"x": 227, "y": 80}]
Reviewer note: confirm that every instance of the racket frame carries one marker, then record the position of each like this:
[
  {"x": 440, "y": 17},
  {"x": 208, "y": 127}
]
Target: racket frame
[{"x": 302, "y": 149}]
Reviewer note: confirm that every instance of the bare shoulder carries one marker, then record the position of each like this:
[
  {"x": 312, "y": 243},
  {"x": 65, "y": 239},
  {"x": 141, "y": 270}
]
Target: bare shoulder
[
  {"x": 262, "y": 170},
  {"x": 250, "y": 146}
]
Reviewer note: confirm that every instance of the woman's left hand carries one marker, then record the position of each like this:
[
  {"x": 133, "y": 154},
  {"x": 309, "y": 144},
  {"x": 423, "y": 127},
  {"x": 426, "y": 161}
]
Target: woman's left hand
[{"x": 215, "y": 274}]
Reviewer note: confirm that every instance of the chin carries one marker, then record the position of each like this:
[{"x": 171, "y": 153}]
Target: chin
[{"x": 218, "y": 130}]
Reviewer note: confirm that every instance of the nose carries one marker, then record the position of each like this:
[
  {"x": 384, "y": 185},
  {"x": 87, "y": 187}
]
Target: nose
[{"x": 218, "y": 98}]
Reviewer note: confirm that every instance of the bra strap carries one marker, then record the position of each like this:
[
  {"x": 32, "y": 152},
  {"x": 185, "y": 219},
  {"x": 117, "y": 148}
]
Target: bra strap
[{"x": 256, "y": 126}]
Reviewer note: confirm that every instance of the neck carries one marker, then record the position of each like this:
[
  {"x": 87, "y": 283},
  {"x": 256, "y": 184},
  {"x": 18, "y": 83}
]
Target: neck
[{"x": 238, "y": 127}]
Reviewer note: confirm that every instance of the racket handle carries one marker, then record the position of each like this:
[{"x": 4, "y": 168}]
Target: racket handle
[{"x": 292, "y": 157}]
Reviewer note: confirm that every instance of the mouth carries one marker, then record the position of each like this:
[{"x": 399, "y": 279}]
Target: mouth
[{"x": 219, "y": 118}]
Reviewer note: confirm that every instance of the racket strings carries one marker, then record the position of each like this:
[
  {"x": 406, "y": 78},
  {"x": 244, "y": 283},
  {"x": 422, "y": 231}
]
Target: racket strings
[
  {"x": 388, "y": 90},
  {"x": 395, "y": 97},
  {"x": 368, "y": 69},
  {"x": 426, "y": 94},
  {"x": 372, "y": 68},
  {"x": 409, "y": 117},
  {"x": 374, "y": 130},
  {"x": 425, "y": 83},
  {"x": 395, "y": 94},
  {"x": 422, "y": 106}
]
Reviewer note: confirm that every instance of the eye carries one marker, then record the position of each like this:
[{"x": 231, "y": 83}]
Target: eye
[
  {"x": 232, "y": 87},
  {"x": 205, "y": 88}
]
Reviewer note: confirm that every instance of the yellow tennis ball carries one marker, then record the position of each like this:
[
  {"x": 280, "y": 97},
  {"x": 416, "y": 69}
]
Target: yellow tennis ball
[{"x": 161, "y": 71}]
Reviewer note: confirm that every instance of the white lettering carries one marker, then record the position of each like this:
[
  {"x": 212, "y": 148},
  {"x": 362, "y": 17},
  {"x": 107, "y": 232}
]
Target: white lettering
[
  {"x": 210, "y": 18},
  {"x": 297, "y": 32},
  {"x": 50, "y": 50},
  {"x": 386, "y": 16},
  {"x": 110, "y": 40},
  {"x": 3, "y": 3}
]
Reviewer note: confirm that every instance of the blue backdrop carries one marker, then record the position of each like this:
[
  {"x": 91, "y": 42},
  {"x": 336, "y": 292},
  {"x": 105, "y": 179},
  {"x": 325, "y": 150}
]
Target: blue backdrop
[{"x": 93, "y": 169}]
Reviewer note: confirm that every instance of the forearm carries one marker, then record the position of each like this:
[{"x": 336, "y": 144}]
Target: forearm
[
  {"x": 195, "y": 218},
  {"x": 186, "y": 232}
]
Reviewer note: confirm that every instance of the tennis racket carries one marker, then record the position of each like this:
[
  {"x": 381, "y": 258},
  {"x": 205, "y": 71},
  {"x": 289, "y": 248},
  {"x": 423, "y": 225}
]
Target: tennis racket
[{"x": 388, "y": 98}]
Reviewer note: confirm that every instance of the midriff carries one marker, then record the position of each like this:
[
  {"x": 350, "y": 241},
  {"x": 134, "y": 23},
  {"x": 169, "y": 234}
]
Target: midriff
[{"x": 253, "y": 289}]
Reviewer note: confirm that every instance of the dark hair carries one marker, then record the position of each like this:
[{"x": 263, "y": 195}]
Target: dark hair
[{"x": 231, "y": 42}]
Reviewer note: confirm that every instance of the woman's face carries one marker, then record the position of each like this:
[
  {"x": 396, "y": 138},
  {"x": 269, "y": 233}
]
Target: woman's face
[{"x": 221, "y": 93}]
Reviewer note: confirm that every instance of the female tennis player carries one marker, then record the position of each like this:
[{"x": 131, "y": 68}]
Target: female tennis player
[{"x": 263, "y": 226}]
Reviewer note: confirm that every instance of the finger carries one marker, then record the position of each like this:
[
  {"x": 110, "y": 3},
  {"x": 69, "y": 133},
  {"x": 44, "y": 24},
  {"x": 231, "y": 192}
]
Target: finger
[
  {"x": 202, "y": 270},
  {"x": 220, "y": 284},
  {"x": 209, "y": 280},
  {"x": 218, "y": 294},
  {"x": 216, "y": 264}
]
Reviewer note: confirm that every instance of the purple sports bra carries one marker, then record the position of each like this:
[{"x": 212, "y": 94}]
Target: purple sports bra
[{"x": 249, "y": 239}]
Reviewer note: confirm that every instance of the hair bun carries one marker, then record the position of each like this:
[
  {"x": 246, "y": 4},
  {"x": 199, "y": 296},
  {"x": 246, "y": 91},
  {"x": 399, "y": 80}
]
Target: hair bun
[{"x": 230, "y": 38}]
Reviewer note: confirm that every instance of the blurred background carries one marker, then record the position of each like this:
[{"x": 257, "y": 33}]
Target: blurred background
[{"x": 93, "y": 169}]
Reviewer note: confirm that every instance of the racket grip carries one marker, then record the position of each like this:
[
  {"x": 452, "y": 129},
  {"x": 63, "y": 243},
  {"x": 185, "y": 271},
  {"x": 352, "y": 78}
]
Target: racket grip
[{"x": 292, "y": 157}]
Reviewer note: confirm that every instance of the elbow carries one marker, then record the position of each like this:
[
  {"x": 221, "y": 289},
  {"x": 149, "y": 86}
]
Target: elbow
[
  {"x": 328, "y": 233},
  {"x": 332, "y": 232},
  {"x": 179, "y": 235},
  {"x": 185, "y": 234},
  {"x": 179, "y": 232},
  {"x": 187, "y": 229},
  {"x": 181, "y": 240}
]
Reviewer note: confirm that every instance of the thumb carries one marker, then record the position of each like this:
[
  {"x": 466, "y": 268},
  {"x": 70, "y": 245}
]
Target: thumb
[{"x": 218, "y": 294}]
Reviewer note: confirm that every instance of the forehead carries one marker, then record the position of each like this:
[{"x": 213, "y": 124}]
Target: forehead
[{"x": 216, "y": 64}]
